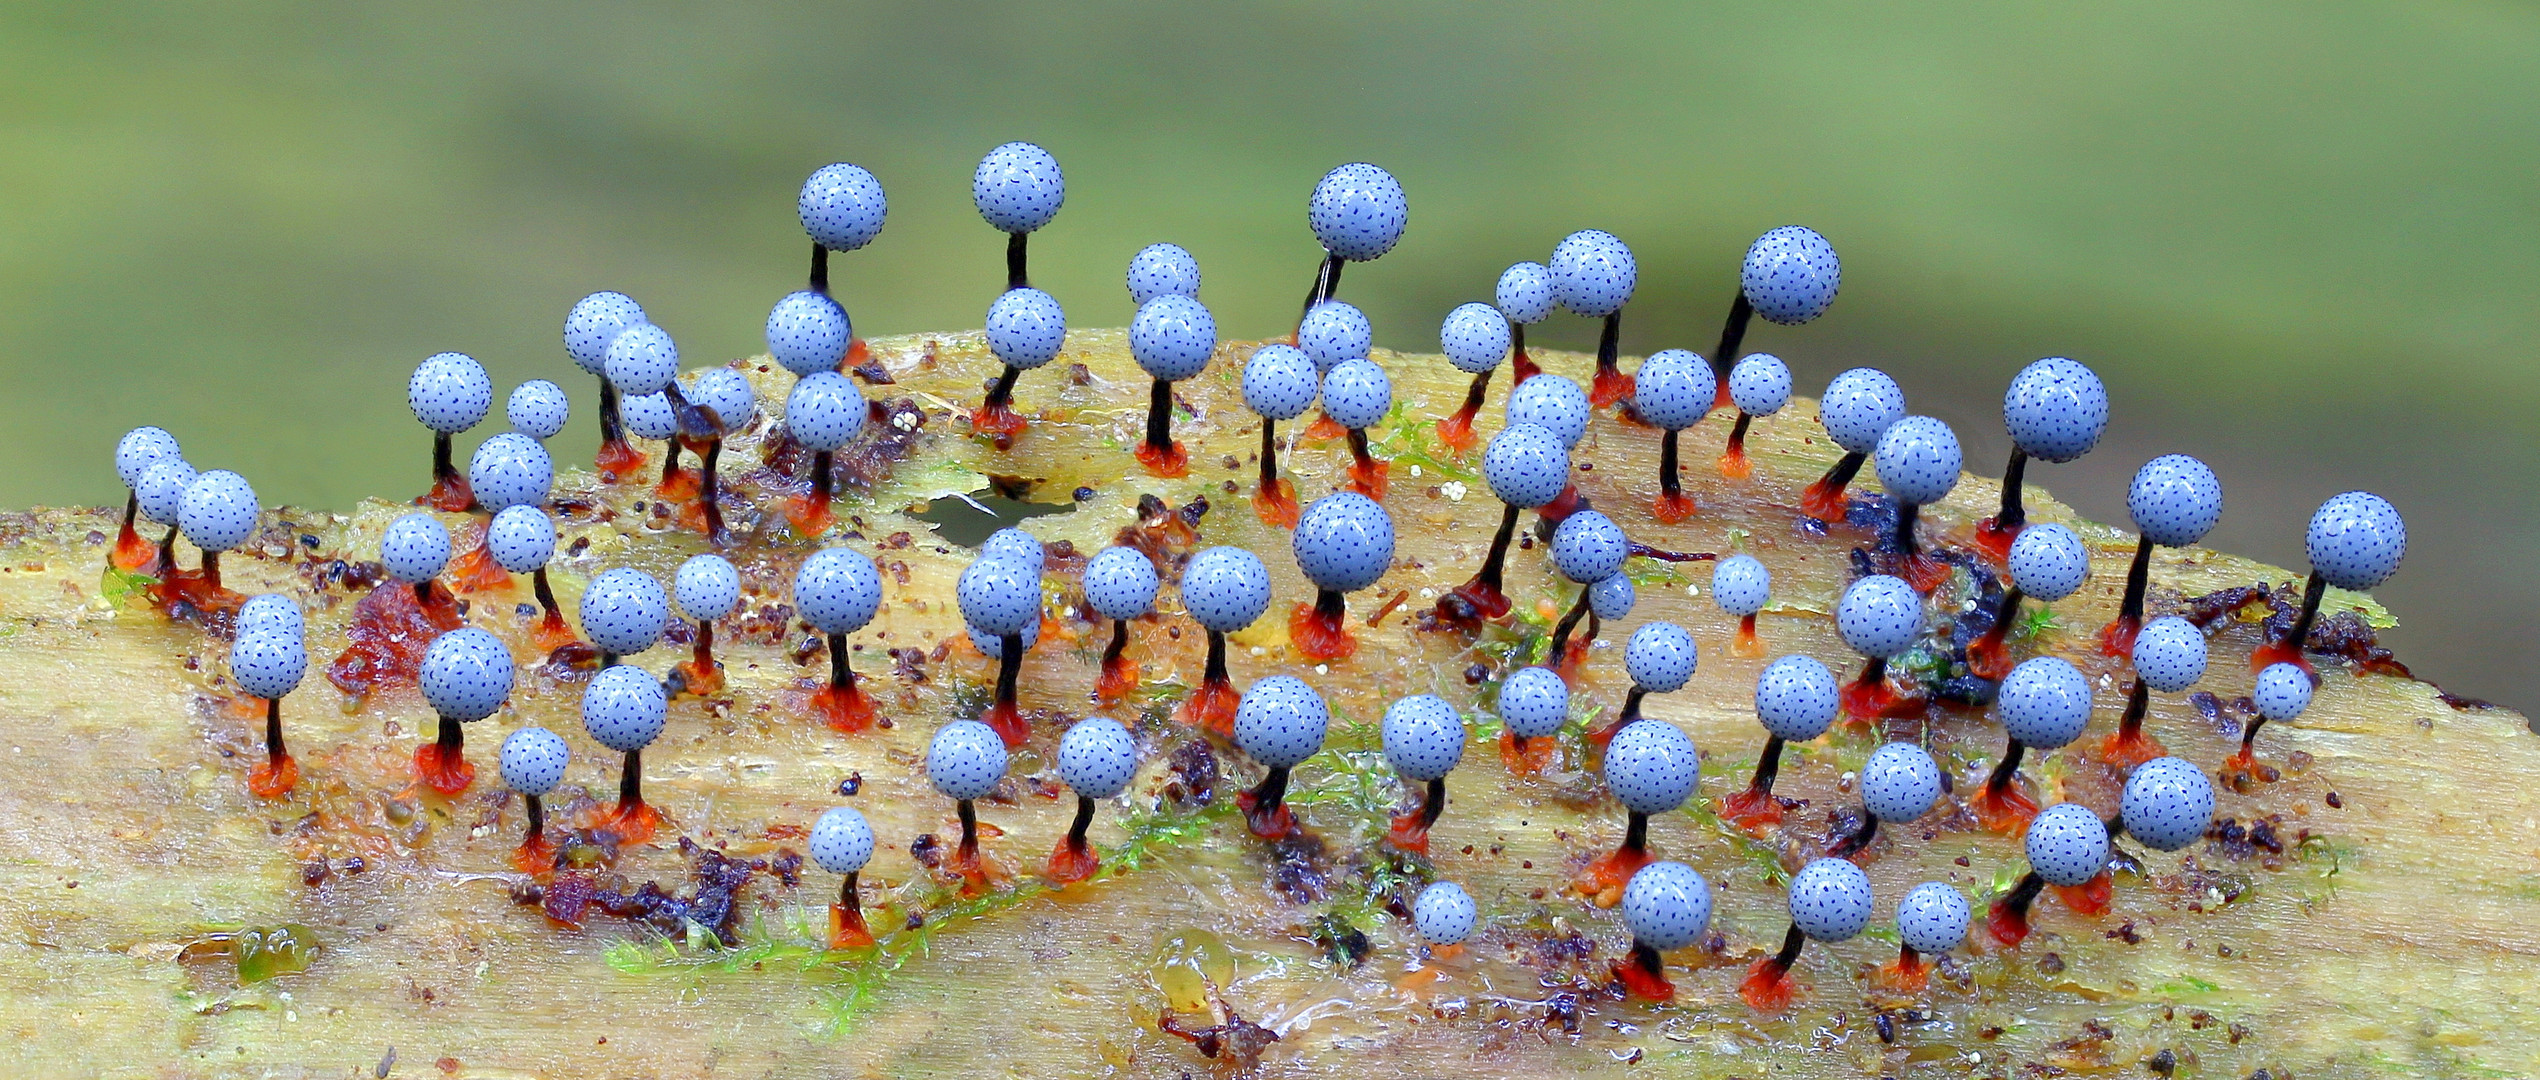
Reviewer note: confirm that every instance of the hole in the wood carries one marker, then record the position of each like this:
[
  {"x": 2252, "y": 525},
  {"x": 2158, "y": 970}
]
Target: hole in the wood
[{"x": 968, "y": 519}]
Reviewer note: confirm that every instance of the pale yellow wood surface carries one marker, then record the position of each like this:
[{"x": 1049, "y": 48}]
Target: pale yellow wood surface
[{"x": 2404, "y": 940}]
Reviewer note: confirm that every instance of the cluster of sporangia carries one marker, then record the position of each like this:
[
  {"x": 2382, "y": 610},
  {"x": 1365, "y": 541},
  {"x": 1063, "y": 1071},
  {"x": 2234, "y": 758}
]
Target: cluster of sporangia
[{"x": 2055, "y": 410}]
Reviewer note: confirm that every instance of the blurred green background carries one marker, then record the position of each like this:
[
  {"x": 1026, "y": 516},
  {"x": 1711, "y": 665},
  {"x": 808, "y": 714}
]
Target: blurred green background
[{"x": 2300, "y": 241}]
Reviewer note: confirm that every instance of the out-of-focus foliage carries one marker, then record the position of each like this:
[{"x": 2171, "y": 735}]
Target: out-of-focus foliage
[{"x": 247, "y": 224}]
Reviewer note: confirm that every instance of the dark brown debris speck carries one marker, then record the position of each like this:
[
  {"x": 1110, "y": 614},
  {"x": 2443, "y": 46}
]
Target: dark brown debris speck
[
  {"x": 1194, "y": 773},
  {"x": 1238, "y": 1041}
]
